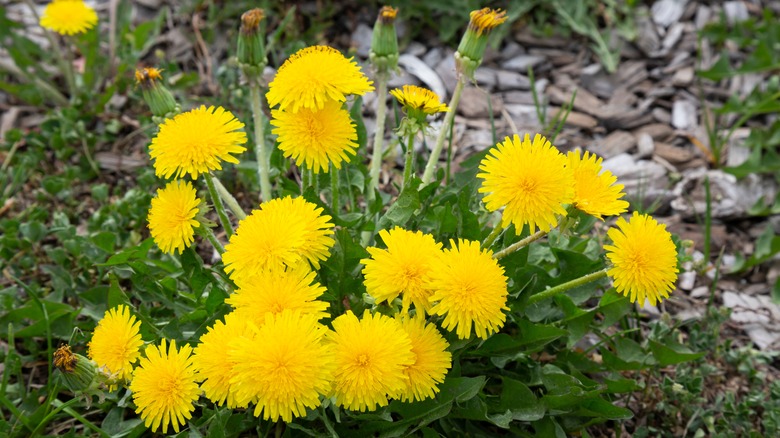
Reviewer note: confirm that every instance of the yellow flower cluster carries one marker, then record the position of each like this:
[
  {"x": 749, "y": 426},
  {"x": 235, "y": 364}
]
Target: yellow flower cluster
[{"x": 312, "y": 125}]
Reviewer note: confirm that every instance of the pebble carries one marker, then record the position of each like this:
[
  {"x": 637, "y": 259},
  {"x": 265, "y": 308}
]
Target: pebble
[
  {"x": 662, "y": 115},
  {"x": 446, "y": 71},
  {"x": 616, "y": 143},
  {"x": 415, "y": 48},
  {"x": 684, "y": 114},
  {"x": 485, "y": 77},
  {"x": 361, "y": 40},
  {"x": 666, "y": 12},
  {"x": 735, "y": 11},
  {"x": 414, "y": 66},
  {"x": 520, "y": 63},
  {"x": 474, "y": 104},
  {"x": 645, "y": 145},
  {"x": 683, "y": 77},
  {"x": 509, "y": 80}
]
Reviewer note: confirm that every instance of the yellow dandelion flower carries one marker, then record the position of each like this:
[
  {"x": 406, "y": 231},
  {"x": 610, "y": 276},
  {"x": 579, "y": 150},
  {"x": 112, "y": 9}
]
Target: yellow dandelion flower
[
  {"x": 469, "y": 287},
  {"x": 281, "y": 233},
  {"x": 595, "y": 191},
  {"x": 196, "y": 141},
  {"x": 486, "y": 19},
  {"x": 172, "y": 219},
  {"x": 419, "y": 100},
  {"x": 316, "y": 137},
  {"x": 68, "y": 17},
  {"x": 530, "y": 180},
  {"x": 164, "y": 387},
  {"x": 284, "y": 368},
  {"x": 431, "y": 360},
  {"x": 402, "y": 269},
  {"x": 276, "y": 290},
  {"x": 116, "y": 343},
  {"x": 147, "y": 76},
  {"x": 643, "y": 257},
  {"x": 215, "y": 368},
  {"x": 371, "y": 356},
  {"x": 314, "y": 75}
]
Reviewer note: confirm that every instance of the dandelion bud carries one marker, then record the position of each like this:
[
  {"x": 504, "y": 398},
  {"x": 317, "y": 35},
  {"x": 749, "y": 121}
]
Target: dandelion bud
[
  {"x": 384, "y": 42},
  {"x": 472, "y": 46},
  {"x": 160, "y": 100},
  {"x": 251, "y": 47},
  {"x": 77, "y": 373}
]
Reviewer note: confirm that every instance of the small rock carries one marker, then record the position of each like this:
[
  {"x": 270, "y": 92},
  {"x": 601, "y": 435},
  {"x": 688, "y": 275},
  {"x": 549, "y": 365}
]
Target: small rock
[
  {"x": 524, "y": 117},
  {"x": 735, "y": 11},
  {"x": 686, "y": 280},
  {"x": 446, "y": 71},
  {"x": 633, "y": 174},
  {"x": 659, "y": 131},
  {"x": 730, "y": 198},
  {"x": 673, "y": 154},
  {"x": 683, "y": 77},
  {"x": 485, "y": 77},
  {"x": 579, "y": 120},
  {"x": 509, "y": 80},
  {"x": 647, "y": 36},
  {"x": 433, "y": 57},
  {"x": 644, "y": 145},
  {"x": 700, "y": 292},
  {"x": 662, "y": 115},
  {"x": 615, "y": 143},
  {"x": 703, "y": 14},
  {"x": 738, "y": 153},
  {"x": 684, "y": 114},
  {"x": 473, "y": 103},
  {"x": 521, "y": 97},
  {"x": 673, "y": 35},
  {"x": 666, "y": 12},
  {"x": 399, "y": 80},
  {"x": 414, "y": 66},
  {"x": 414, "y": 48},
  {"x": 520, "y": 63},
  {"x": 512, "y": 49},
  {"x": 361, "y": 40}
]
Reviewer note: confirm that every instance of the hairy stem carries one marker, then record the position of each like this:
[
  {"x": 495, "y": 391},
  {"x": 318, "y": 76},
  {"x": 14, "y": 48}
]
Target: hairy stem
[{"x": 433, "y": 160}]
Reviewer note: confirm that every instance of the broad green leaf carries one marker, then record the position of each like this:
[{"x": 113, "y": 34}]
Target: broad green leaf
[{"x": 672, "y": 354}]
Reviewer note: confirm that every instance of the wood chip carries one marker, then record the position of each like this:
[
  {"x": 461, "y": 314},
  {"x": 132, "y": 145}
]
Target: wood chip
[
  {"x": 615, "y": 143},
  {"x": 577, "y": 119}
]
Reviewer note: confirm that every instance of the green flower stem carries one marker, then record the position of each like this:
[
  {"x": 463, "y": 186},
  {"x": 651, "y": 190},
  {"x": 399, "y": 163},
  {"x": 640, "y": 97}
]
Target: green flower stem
[
  {"x": 208, "y": 233},
  {"x": 433, "y": 160},
  {"x": 228, "y": 199},
  {"x": 491, "y": 238},
  {"x": 521, "y": 244},
  {"x": 334, "y": 189},
  {"x": 67, "y": 68},
  {"x": 409, "y": 165},
  {"x": 379, "y": 135},
  {"x": 218, "y": 206},
  {"x": 263, "y": 163},
  {"x": 549, "y": 293}
]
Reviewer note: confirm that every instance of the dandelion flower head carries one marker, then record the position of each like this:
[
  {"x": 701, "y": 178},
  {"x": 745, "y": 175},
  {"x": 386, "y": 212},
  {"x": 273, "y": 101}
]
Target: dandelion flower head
[
  {"x": 367, "y": 370},
  {"x": 164, "y": 387},
  {"x": 316, "y": 137},
  {"x": 215, "y": 368},
  {"x": 116, "y": 342},
  {"x": 68, "y": 17},
  {"x": 284, "y": 368},
  {"x": 595, "y": 191},
  {"x": 314, "y": 75},
  {"x": 485, "y": 19},
  {"x": 402, "y": 269},
  {"x": 276, "y": 290},
  {"x": 419, "y": 102},
  {"x": 281, "y": 233},
  {"x": 196, "y": 142},
  {"x": 529, "y": 179},
  {"x": 643, "y": 257},
  {"x": 431, "y": 360},
  {"x": 172, "y": 219},
  {"x": 470, "y": 288}
]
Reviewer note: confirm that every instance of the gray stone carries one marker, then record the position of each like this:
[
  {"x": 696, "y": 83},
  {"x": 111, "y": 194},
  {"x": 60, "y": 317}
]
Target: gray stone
[
  {"x": 666, "y": 12},
  {"x": 520, "y": 63},
  {"x": 683, "y": 77},
  {"x": 446, "y": 71},
  {"x": 735, "y": 11},
  {"x": 414, "y": 48},
  {"x": 645, "y": 146},
  {"x": 361, "y": 40},
  {"x": 615, "y": 143},
  {"x": 414, "y": 66},
  {"x": 684, "y": 114},
  {"x": 433, "y": 57},
  {"x": 509, "y": 80},
  {"x": 485, "y": 77}
]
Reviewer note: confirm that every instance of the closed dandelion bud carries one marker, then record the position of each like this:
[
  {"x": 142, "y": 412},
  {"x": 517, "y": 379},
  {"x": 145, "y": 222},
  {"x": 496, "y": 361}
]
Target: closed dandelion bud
[
  {"x": 77, "y": 373},
  {"x": 160, "y": 100},
  {"x": 472, "y": 46},
  {"x": 251, "y": 47},
  {"x": 384, "y": 42}
]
